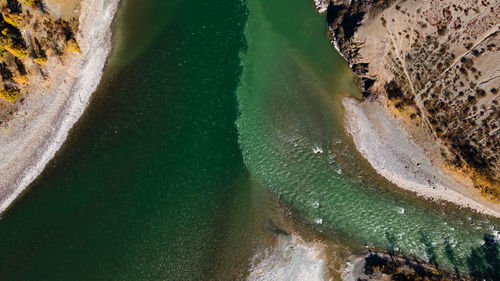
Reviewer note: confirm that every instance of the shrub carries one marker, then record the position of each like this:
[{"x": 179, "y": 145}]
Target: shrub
[
  {"x": 72, "y": 46},
  {"x": 471, "y": 99},
  {"x": 12, "y": 19},
  {"x": 17, "y": 51},
  {"x": 481, "y": 92},
  {"x": 32, "y": 3},
  {"x": 9, "y": 95},
  {"x": 393, "y": 91},
  {"x": 384, "y": 22},
  {"x": 21, "y": 79},
  {"x": 40, "y": 61}
]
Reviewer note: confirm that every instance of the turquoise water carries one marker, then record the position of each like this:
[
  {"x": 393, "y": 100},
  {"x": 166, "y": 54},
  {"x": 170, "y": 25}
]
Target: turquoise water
[
  {"x": 203, "y": 107},
  {"x": 289, "y": 99}
]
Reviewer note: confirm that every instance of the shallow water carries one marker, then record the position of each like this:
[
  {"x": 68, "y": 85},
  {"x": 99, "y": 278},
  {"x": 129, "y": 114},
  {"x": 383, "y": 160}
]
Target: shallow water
[{"x": 292, "y": 137}]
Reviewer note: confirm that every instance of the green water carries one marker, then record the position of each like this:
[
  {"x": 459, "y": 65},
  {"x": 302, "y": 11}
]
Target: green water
[
  {"x": 289, "y": 99},
  {"x": 155, "y": 183},
  {"x": 145, "y": 185}
]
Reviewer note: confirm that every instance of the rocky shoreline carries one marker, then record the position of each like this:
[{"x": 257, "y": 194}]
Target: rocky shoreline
[
  {"x": 434, "y": 65},
  {"x": 376, "y": 265},
  {"x": 390, "y": 266}
]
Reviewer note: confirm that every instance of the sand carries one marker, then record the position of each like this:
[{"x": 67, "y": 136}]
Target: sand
[
  {"x": 291, "y": 258},
  {"x": 31, "y": 139},
  {"x": 381, "y": 139}
]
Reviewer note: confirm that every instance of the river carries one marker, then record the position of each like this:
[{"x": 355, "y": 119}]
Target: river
[{"x": 212, "y": 119}]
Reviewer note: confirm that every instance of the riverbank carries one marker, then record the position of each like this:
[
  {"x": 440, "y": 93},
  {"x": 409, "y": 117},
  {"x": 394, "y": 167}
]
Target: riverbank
[
  {"x": 30, "y": 140},
  {"x": 390, "y": 266},
  {"x": 395, "y": 154}
]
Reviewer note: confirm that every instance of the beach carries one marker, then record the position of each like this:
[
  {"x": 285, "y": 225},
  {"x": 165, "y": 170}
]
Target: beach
[
  {"x": 30, "y": 140},
  {"x": 404, "y": 160}
]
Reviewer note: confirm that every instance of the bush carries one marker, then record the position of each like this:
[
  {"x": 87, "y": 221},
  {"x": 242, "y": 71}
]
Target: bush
[
  {"x": 9, "y": 95},
  {"x": 12, "y": 19},
  {"x": 32, "y": 3},
  {"x": 393, "y": 90},
  {"x": 40, "y": 61},
  {"x": 72, "y": 46},
  {"x": 17, "y": 51}
]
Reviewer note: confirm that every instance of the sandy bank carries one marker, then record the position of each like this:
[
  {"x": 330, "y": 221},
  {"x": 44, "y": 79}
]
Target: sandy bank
[
  {"x": 381, "y": 139},
  {"x": 41, "y": 126},
  {"x": 292, "y": 258}
]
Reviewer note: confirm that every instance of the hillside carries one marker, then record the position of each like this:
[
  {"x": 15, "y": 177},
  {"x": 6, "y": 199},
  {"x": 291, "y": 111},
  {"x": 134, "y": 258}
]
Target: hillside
[{"x": 436, "y": 65}]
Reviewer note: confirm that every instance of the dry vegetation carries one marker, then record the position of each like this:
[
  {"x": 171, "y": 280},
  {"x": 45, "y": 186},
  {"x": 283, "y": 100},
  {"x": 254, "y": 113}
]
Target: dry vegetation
[
  {"x": 438, "y": 63},
  {"x": 30, "y": 38}
]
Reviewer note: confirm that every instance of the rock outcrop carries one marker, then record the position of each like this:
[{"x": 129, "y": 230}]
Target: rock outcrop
[{"x": 438, "y": 64}]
